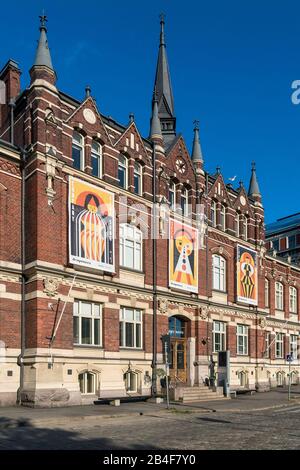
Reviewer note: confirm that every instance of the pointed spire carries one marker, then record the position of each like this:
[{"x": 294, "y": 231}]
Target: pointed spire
[
  {"x": 43, "y": 57},
  {"x": 163, "y": 88},
  {"x": 155, "y": 128},
  {"x": 253, "y": 186},
  {"x": 196, "y": 152}
]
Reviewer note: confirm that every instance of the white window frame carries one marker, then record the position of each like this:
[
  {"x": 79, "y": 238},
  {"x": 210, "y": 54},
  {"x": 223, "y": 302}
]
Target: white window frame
[
  {"x": 131, "y": 238},
  {"x": 267, "y": 344},
  {"x": 242, "y": 331},
  {"x": 137, "y": 319},
  {"x": 223, "y": 217},
  {"x": 294, "y": 346},
  {"x": 79, "y": 144},
  {"x": 184, "y": 202},
  {"x": 123, "y": 163},
  {"x": 279, "y": 345},
  {"x": 138, "y": 171},
  {"x": 96, "y": 314},
  {"x": 267, "y": 293},
  {"x": 129, "y": 377},
  {"x": 213, "y": 213},
  {"x": 97, "y": 153},
  {"x": 219, "y": 273},
  {"x": 293, "y": 305},
  {"x": 279, "y": 290},
  {"x": 219, "y": 328},
  {"x": 172, "y": 191}
]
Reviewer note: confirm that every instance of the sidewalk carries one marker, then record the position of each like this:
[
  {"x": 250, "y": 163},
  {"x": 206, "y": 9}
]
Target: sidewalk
[{"x": 68, "y": 416}]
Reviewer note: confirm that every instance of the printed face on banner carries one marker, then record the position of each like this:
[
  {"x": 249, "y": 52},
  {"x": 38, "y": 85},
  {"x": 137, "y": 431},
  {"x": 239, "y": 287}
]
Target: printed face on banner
[
  {"x": 183, "y": 256},
  {"x": 91, "y": 225},
  {"x": 246, "y": 275}
]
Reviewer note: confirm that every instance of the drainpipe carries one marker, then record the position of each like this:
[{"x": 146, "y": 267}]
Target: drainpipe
[
  {"x": 23, "y": 260},
  {"x": 154, "y": 248}
]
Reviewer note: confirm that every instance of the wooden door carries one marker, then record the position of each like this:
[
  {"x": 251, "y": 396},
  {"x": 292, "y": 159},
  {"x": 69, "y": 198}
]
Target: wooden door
[{"x": 178, "y": 365}]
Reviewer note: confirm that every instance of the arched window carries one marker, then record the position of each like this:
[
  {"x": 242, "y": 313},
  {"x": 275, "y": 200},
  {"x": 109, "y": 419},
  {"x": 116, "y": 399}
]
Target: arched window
[
  {"x": 278, "y": 296},
  {"x": 213, "y": 213},
  {"x": 131, "y": 381},
  {"x": 293, "y": 299},
  {"x": 123, "y": 172},
  {"x": 267, "y": 293},
  {"x": 223, "y": 217},
  {"x": 172, "y": 195},
  {"x": 87, "y": 383},
  {"x": 185, "y": 202},
  {"x": 78, "y": 150},
  {"x": 138, "y": 178},
  {"x": 219, "y": 273},
  {"x": 96, "y": 159},
  {"x": 130, "y": 247}
]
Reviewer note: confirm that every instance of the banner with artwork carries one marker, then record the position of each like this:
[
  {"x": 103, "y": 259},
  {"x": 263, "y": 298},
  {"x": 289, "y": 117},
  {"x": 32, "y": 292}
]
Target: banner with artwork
[
  {"x": 91, "y": 226},
  {"x": 183, "y": 256},
  {"x": 246, "y": 275}
]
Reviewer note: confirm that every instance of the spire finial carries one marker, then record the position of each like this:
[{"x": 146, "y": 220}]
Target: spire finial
[
  {"x": 87, "y": 91},
  {"x": 131, "y": 117},
  {"x": 218, "y": 170},
  {"x": 162, "y": 17},
  {"x": 43, "y": 20},
  {"x": 253, "y": 186},
  {"x": 196, "y": 152}
]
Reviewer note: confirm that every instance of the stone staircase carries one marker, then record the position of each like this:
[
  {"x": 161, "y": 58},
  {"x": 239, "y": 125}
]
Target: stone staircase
[{"x": 200, "y": 393}]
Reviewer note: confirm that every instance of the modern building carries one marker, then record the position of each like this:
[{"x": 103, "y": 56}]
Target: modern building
[
  {"x": 283, "y": 238},
  {"x": 93, "y": 273}
]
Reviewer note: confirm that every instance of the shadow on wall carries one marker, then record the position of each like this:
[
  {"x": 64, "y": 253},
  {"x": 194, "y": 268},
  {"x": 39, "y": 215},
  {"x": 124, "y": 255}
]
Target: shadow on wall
[{"x": 22, "y": 435}]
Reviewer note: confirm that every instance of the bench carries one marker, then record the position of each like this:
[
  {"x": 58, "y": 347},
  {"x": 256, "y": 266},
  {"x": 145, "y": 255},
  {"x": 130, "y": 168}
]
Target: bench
[{"x": 125, "y": 399}]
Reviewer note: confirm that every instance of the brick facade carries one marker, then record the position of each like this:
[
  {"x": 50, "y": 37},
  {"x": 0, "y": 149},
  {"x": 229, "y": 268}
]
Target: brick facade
[{"x": 45, "y": 120}]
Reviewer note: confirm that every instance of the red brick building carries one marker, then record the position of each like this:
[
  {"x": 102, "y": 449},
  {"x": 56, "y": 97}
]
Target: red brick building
[{"x": 87, "y": 293}]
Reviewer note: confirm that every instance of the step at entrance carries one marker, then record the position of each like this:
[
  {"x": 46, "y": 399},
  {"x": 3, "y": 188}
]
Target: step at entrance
[{"x": 201, "y": 393}]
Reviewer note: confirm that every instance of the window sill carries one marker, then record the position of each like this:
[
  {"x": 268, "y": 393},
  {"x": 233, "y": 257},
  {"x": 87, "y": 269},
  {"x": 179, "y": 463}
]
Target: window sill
[
  {"x": 132, "y": 270},
  {"x": 128, "y": 348},
  {"x": 88, "y": 346}
]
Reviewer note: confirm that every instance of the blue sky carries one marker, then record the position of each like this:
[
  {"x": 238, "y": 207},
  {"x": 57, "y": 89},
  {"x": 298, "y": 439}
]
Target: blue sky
[{"x": 232, "y": 64}]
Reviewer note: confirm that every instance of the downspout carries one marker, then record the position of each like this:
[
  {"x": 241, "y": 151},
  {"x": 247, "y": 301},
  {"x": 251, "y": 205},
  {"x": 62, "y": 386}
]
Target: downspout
[
  {"x": 154, "y": 248},
  {"x": 23, "y": 287}
]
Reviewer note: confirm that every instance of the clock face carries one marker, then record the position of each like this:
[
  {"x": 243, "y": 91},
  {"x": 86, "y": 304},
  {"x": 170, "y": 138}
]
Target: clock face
[
  {"x": 180, "y": 166},
  {"x": 243, "y": 200}
]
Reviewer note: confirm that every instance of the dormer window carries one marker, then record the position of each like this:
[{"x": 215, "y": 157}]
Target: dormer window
[
  {"x": 78, "y": 150},
  {"x": 96, "y": 159},
  {"x": 123, "y": 172},
  {"x": 137, "y": 178}
]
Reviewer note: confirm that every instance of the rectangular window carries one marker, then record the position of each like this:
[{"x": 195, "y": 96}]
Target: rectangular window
[
  {"x": 293, "y": 300},
  {"x": 77, "y": 150},
  {"x": 293, "y": 346},
  {"x": 267, "y": 293},
  {"x": 275, "y": 245},
  {"x": 278, "y": 296},
  {"x": 130, "y": 247},
  {"x": 219, "y": 336},
  {"x": 219, "y": 273},
  {"x": 122, "y": 171},
  {"x": 184, "y": 203},
  {"x": 213, "y": 213},
  {"x": 87, "y": 323},
  {"x": 292, "y": 241},
  {"x": 137, "y": 178},
  {"x": 96, "y": 160},
  {"x": 130, "y": 328},
  {"x": 242, "y": 340},
  {"x": 279, "y": 350},
  {"x": 172, "y": 194}
]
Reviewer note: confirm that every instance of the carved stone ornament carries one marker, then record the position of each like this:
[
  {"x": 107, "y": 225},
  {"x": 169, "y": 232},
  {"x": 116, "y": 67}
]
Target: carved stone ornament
[
  {"x": 163, "y": 305},
  {"x": 203, "y": 313},
  {"x": 263, "y": 322},
  {"x": 51, "y": 286}
]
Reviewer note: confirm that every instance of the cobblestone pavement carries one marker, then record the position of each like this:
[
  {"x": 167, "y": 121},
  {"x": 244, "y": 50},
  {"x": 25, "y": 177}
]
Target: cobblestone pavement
[{"x": 184, "y": 430}]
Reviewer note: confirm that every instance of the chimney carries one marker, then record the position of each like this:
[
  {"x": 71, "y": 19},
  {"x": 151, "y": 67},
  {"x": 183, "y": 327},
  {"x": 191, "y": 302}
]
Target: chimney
[{"x": 10, "y": 77}]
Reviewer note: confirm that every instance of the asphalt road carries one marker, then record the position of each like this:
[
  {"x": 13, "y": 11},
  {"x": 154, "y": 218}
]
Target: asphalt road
[{"x": 269, "y": 429}]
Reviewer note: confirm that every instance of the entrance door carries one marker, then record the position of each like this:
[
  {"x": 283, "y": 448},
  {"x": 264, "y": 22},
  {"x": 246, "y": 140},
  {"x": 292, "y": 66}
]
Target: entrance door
[{"x": 178, "y": 358}]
